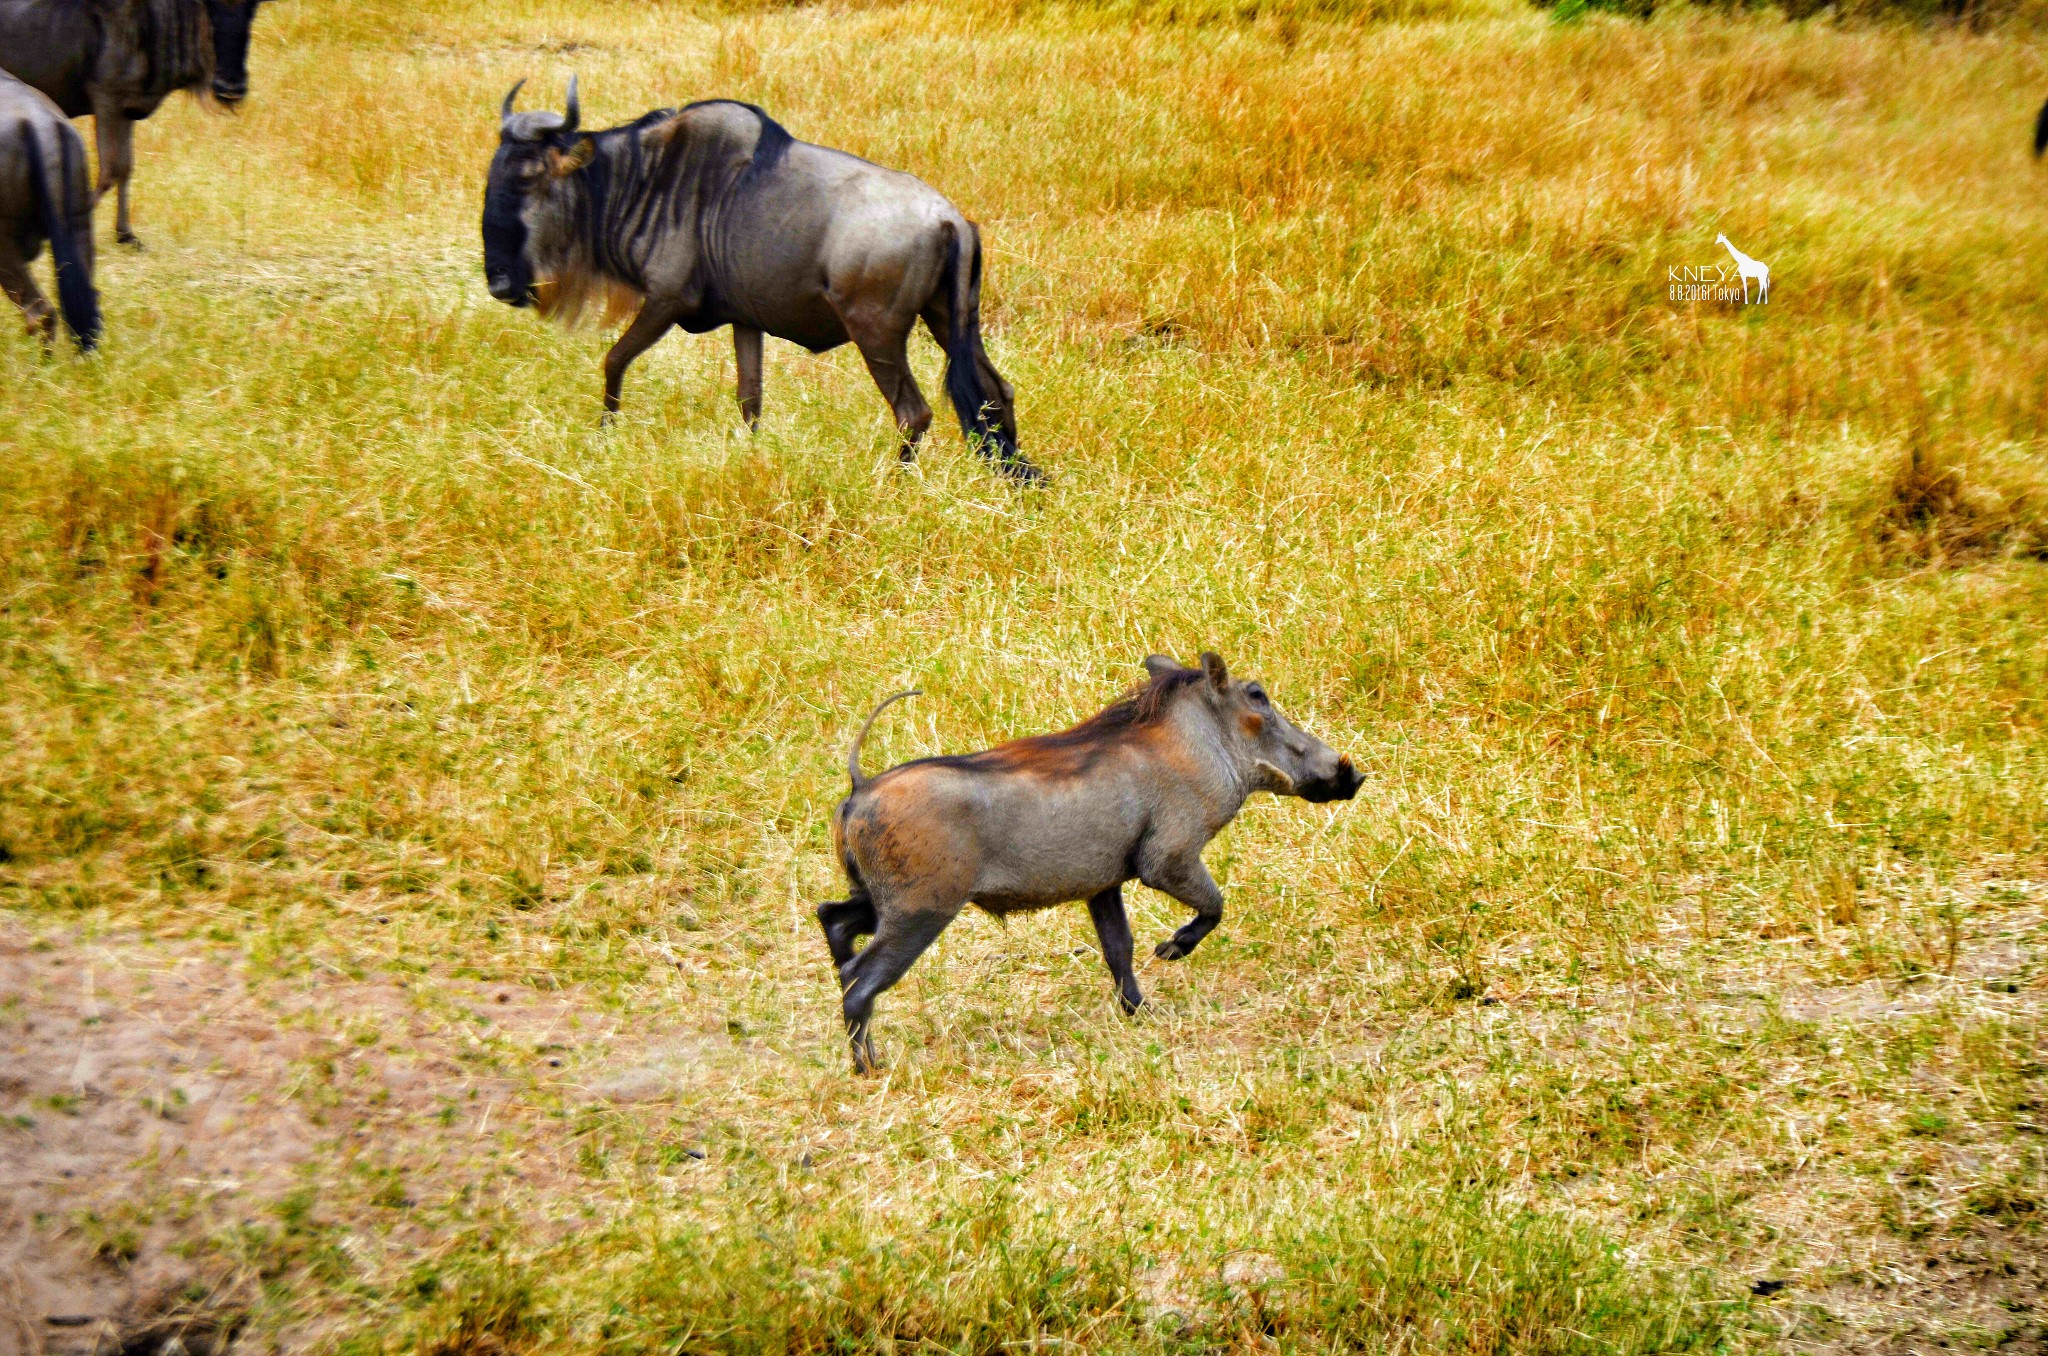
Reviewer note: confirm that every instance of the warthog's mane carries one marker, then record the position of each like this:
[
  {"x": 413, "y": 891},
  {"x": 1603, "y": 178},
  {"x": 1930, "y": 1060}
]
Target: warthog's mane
[{"x": 1140, "y": 706}]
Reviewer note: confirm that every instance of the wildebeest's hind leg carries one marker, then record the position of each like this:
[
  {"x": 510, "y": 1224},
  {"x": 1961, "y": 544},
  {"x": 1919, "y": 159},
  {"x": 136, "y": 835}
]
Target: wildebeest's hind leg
[
  {"x": 746, "y": 352},
  {"x": 1113, "y": 930},
  {"x": 845, "y": 921},
  {"x": 901, "y": 937},
  {"x": 20, "y": 286},
  {"x": 884, "y": 344},
  {"x": 656, "y": 317}
]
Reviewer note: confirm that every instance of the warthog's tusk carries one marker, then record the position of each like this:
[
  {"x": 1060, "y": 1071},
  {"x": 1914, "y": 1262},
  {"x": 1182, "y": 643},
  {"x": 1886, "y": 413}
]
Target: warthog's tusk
[{"x": 1286, "y": 783}]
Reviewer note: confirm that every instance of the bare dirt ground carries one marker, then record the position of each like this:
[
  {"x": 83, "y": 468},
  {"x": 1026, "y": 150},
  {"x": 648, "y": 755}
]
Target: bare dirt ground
[{"x": 154, "y": 1102}]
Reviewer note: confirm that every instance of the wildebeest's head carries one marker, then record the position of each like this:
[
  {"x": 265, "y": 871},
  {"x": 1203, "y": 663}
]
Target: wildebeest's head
[
  {"x": 231, "y": 21},
  {"x": 1272, "y": 753},
  {"x": 529, "y": 225}
]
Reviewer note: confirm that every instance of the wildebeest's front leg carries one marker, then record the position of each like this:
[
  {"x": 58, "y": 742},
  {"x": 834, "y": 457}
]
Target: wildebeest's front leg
[
  {"x": 657, "y": 315},
  {"x": 901, "y": 937},
  {"x": 114, "y": 135},
  {"x": 1113, "y": 930},
  {"x": 20, "y": 286},
  {"x": 1187, "y": 880},
  {"x": 746, "y": 350}
]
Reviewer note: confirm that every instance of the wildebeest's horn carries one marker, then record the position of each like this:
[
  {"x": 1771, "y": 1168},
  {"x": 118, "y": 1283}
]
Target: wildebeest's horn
[
  {"x": 505, "y": 113},
  {"x": 575, "y": 110}
]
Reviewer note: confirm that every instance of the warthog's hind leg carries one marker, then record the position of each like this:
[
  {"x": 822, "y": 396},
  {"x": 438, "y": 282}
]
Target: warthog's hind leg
[
  {"x": 899, "y": 940},
  {"x": 845, "y": 921},
  {"x": 1113, "y": 930}
]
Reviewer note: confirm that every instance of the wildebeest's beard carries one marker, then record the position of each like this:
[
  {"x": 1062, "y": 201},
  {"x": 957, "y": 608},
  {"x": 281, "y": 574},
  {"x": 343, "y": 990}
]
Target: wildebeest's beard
[{"x": 231, "y": 21}]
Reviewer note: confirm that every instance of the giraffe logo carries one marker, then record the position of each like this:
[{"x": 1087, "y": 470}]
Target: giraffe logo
[{"x": 1749, "y": 268}]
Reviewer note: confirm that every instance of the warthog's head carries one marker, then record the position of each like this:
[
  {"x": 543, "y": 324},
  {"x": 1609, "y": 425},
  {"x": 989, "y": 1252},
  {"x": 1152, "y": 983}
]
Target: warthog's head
[
  {"x": 231, "y": 21},
  {"x": 1267, "y": 748},
  {"x": 529, "y": 206}
]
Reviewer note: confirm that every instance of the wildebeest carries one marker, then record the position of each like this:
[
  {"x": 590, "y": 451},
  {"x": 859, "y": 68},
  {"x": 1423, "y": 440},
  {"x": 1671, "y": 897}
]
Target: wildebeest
[
  {"x": 2041, "y": 132},
  {"x": 1134, "y": 793},
  {"x": 712, "y": 215},
  {"x": 118, "y": 60},
  {"x": 44, "y": 196}
]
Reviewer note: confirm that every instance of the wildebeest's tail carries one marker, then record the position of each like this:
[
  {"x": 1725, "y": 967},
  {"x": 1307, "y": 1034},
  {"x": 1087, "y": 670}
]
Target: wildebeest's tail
[
  {"x": 2041, "y": 132},
  {"x": 62, "y": 193},
  {"x": 980, "y": 410},
  {"x": 853, "y": 754}
]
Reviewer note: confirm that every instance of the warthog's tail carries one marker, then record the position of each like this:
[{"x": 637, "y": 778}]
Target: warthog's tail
[
  {"x": 980, "y": 410},
  {"x": 66, "y": 202},
  {"x": 853, "y": 754}
]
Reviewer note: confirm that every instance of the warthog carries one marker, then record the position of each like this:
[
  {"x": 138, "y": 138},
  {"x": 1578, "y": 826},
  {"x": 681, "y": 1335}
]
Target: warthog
[
  {"x": 119, "y": 59},
  {"x": 44, "y": 196},
  {"x": 1134, "y": 793},
  {"x": 714, "y": 215}
]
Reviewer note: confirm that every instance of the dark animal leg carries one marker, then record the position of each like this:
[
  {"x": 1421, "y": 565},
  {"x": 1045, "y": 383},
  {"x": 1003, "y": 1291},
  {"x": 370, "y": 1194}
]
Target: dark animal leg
[
  {"x": 20, "y": 286},
  {"x": 1113, "y": 930},
  {"x": 746, "y": 349},
  {"x": 899, "y": 940},
  {"x": 115, "y": 137},
  {"x": 885, "y": 347},
  {"x": 844, "y": 921},
  {"x": 1188, "y": 881},
  {"x": 654, "y": 320}
]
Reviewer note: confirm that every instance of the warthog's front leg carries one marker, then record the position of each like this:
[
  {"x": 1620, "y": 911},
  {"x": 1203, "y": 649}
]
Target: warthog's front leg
[
  {"x": 1113, "y": 930},
  {"x": 1187, "y": 880}
]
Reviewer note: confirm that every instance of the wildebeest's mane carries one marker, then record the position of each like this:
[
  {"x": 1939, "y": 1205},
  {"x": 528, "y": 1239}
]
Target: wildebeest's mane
[
  {"x": 1072, "y": 749},
  {"x": 175, "y": 42}
]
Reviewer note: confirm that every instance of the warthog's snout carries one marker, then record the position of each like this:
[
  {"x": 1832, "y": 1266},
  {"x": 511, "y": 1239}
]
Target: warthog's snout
[
  {"x": 1343, "y": 784},
  {"x": 1134, "y": 793}
]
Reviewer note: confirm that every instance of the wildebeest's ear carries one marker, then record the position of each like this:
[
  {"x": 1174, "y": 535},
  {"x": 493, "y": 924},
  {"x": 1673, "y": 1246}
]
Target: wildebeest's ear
[
  {"x": 1160, "y": 665},
  {"x": 1212, "y": 668},
  {"x": 575, "y": 158}
]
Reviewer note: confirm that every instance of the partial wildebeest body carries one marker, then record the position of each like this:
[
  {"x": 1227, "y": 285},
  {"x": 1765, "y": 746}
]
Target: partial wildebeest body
[
  {"x": 714, "y": 215},
  {"x": 1133, "y": 794},
  {"x": 118, "y": 60},
  {"x": 2041, "y": 132},
  {"x": 44, "y": 195}
]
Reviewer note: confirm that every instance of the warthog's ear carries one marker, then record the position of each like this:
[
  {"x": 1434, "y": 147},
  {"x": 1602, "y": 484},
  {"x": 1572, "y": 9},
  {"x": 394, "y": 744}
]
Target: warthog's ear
[
  {"x": 1212, "y": 668},
  {"x": 564, "y": 163},
  {"x": 1160, "y": 665}
]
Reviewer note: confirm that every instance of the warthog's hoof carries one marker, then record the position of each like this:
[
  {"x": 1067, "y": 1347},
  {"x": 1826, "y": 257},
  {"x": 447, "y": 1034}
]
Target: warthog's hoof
[{"x": 1168, "y": 950}]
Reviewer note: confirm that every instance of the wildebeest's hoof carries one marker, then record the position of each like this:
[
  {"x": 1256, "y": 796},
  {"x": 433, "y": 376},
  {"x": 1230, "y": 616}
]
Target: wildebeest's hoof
[
  {"x": 1130, "y": 1006},
  {"x": 1169, "y": 950},
  {"x": 1024, "y": 473},
  {"x": 128, "y": 238}
]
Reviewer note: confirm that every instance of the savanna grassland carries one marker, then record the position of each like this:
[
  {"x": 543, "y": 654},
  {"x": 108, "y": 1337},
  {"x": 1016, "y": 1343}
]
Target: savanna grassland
[{"x": 431, "y": 788}]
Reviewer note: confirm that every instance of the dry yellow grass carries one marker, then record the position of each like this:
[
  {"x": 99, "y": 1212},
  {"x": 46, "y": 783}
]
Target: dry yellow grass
[{"x": 1687, "y": 934}]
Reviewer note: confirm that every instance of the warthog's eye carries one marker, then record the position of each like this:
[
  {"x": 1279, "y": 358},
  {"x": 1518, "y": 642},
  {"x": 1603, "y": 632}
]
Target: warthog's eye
[{"x": 1256, "y": 695}]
